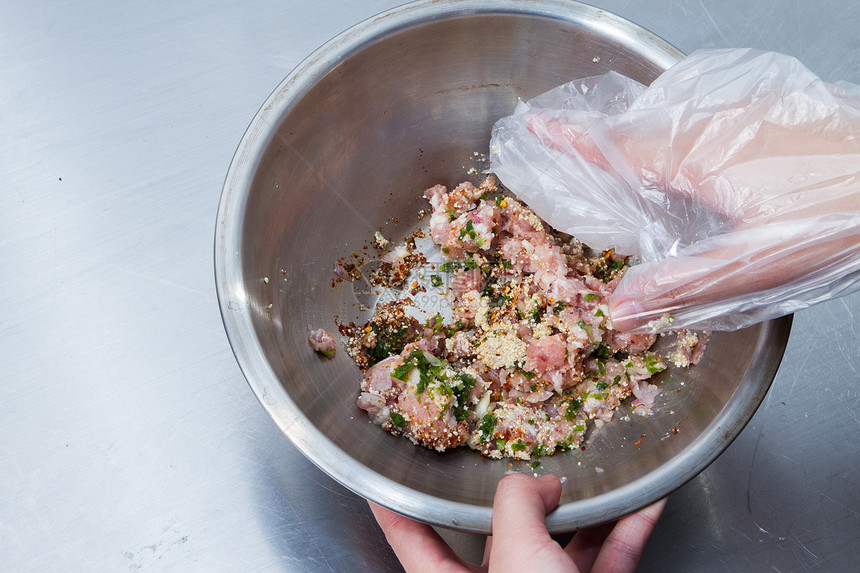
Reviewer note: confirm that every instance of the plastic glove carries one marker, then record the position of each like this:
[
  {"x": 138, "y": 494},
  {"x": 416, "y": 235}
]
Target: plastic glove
[{"x": 735, "y": 177}]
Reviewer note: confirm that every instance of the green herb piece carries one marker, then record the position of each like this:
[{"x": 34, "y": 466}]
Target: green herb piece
[
  {"x": 535, "y": 464},
  {"x": 601, "y": 385},
  {"x": 388, "y": 343},
  {"x": 601, "y": 352},
  {"x": 428, "y": 367},
  {"x": 436, "y": 322},
  {"x": 398, "y": 420},
  {"x": 536, "y": 315},
  {"x": 498, "y": 301},
  {"x": 527, "y": 374},
  {"x": 598, "y": 312},
  {"x": 572, "y": 407},
  {"x": 518, "y": 446},
  {"x": 445, "y": 267},
  {"x": 470, "y": 263},
  {"x": 579, "y": 428},
  {"x": 488, "y": 424},
  {"x": 402, "y": 371},
  {"x": 467, "y": 230},
  {"x": 436, "y": 280},
  {"x": 599, "y": 396},
  {"x": 452, "y": 214},
  {"x": 499, "y": 199},
  {"x": 446, "y": 250},
  {"x": 560, "y": 306},
  {"x": 616, "y": 264},
  {"x": 500, "y": 444},
  {"x": 506, "y": 263},
  {"x": 461, "y": 393},
  {"x": 653, "y": 364},
  {"x": 591, "y": 296},
  {"x": 585, "y": 327},
  {"x": 616, "y": 380},
  {"x": 601, "y": 367}
]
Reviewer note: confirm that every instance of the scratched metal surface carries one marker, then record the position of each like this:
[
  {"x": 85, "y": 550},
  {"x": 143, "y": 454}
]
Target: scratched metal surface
[{"x": 130, "y": 440}]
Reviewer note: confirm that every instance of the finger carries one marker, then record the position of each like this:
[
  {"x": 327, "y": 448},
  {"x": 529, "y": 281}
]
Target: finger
[
  {"x": 740, "y": 268},
  {"x": 418, "y": 547},
  {"x": 586, "y": 544},
  {"x": 623, "y": 547},
  {"x": 488, "y": 550},
  {"x": 521, "y": 541},
  {"x": 568, "y": 138}
]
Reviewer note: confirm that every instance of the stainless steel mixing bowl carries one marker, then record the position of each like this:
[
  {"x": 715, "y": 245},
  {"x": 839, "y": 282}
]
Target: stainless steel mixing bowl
[{"x": 345, "y": 146}]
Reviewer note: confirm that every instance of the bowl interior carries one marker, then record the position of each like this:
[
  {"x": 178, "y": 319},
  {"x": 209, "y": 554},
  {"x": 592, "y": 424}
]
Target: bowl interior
[{"x": 345, "y": 147}]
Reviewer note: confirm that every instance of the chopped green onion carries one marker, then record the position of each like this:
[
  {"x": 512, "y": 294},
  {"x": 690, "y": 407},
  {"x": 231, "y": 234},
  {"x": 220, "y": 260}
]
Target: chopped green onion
[
  {"x": 601, "y": 352},
  {"x": 401, "y": 371},
  {"x": 398, "y": 420},
  {"x": 653, "y": 364},
  {"x": 488, "y": 424}
]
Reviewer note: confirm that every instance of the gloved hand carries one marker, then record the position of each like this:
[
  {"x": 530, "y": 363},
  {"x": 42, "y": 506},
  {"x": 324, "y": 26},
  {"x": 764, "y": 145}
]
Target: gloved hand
[{"x": 735, "y": 177}]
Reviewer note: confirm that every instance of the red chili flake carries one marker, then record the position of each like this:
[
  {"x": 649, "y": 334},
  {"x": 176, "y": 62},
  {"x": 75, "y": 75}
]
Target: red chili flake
[
  {"x": 642, "y": 435},
  {"x": 675, "y": 430},
  {"x": 638, "y": 443},
  {"x": 582, "y": 448}
]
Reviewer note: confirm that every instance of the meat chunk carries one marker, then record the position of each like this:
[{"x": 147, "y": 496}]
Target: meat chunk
[{"x": 322, "y": 342}]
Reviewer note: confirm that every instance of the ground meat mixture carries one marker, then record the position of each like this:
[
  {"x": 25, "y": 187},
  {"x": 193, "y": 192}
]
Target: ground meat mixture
[
  {"x": 529, "y": 356},
  {"x": 322, "y": 342}
]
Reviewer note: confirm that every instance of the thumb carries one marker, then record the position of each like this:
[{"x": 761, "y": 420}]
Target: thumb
[{"x": 521, "y": 541}]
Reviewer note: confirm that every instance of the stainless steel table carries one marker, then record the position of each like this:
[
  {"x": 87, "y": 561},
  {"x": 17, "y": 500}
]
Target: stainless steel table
[{"x": 130, "y": 440}]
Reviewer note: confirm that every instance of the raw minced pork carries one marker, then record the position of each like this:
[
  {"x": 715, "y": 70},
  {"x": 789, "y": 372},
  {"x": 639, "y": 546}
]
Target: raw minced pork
[{"x": 530, "y": 355}]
